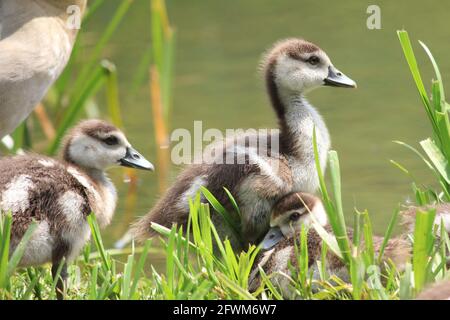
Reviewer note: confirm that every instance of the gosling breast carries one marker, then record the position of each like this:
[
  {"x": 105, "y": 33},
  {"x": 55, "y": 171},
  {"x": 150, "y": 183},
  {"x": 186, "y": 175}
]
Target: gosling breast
[{"x": 58, "y": 197}]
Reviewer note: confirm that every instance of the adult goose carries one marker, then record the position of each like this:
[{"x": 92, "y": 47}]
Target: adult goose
[
  {"x": 257, "y": 175},
  {"x": 36, "y": 40},
  {"x": 59, "y": 194}
]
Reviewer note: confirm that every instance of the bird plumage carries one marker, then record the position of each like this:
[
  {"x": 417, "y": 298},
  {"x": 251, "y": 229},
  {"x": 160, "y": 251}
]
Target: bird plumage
[
  {"x": 296, "y": 209},
  {"x": 284, "y": 163},
  {"x": 60, "y": 194},
  {"x": 35, "y": 45},
  {"x": 436, "y": 291},
  {"x": 288, "y": 216},
  {"x": 42, "y": 189}
]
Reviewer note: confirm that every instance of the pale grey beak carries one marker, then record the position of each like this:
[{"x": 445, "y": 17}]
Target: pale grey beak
[
  {"x": 336, "y": 78},
  {"x": 272, "y": 238},
  {"x": 134, "y": 159}
]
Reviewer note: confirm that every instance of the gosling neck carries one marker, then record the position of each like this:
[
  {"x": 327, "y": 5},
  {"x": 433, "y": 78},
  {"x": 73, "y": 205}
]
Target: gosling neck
[
  {"x": 296, "y": 117},
  {"x": 97, "y": 175}
]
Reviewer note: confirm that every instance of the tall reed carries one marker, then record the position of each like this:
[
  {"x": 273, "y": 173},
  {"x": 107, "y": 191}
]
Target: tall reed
[
  {"x": 161, "y": 78},
  {"x": 436, "y": 147}
]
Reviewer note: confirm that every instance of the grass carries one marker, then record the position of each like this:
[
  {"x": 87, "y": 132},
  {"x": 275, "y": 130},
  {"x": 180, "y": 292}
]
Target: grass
[
  {"x": 437, "y": 147},
  {"x": 201, "y": 265},
  {"x": 161, "y": 77}
]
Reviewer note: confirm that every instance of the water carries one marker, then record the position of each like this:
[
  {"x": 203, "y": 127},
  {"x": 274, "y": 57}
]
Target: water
[{"x": 219, "y": 44}]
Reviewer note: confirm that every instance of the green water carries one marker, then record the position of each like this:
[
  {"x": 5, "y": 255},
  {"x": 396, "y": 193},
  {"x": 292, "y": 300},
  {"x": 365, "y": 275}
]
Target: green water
[{"x": 219, "y": 44}]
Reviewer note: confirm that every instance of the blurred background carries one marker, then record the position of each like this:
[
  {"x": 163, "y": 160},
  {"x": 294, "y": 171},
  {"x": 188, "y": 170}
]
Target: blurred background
[{"x": 207, "y": 70}]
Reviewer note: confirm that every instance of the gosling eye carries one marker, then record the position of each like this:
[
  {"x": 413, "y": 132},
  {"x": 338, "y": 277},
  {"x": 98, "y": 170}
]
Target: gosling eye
[
  {"x": 294, "y": 216},
  {"x": 313, "y": 60},
  {"x": 111, "y": 140}
]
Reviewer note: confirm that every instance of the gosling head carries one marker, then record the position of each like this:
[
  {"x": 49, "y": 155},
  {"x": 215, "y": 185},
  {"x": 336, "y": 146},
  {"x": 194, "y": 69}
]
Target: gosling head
[
  {"x": 98, "y": 145},
  {"x": 290, "y": 213},
  {"x": 297, "y": 65}
]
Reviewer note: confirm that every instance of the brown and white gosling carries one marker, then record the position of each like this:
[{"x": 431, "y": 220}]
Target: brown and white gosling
[
  {"x": 59, "y": 194},
  {"x": 408, "y": 216},
  {"x": 266, "y": 171},
  {"x": 287, "y": 218},
  {"x": 436, "y": 291}
]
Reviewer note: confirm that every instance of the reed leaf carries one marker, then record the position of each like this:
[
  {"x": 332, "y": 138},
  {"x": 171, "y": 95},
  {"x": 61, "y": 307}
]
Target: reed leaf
[
  {"x": 423, "y": 245},
  {"x": 437, "y": 158},
  {"x": 413, "y": 67},
  {"x": 94, "y": 57},
  {"x": 94, "y": 83}
]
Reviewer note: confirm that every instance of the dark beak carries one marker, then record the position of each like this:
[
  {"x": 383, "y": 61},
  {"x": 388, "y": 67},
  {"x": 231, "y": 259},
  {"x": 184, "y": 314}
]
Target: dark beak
[
  {"x": 272, "y": 238},
  {"x": 336, "y": 78},
  {"x": 134, "y": 159}
]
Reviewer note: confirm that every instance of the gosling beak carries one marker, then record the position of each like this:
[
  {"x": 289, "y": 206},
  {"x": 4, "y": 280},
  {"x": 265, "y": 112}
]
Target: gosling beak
[
  {"x": 134, "y": 159},
  {"x": 336, "y": 78},
  {"x": 272, "y": 238}
]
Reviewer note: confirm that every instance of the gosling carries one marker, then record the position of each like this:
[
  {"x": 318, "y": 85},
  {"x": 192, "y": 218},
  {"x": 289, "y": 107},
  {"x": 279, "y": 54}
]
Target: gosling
[
  {"x": 437, "y": 291},
  {"x": 60, "y": 194},
  {"x": 288, "y": 216},
  {"x": 276, "y": 164}
]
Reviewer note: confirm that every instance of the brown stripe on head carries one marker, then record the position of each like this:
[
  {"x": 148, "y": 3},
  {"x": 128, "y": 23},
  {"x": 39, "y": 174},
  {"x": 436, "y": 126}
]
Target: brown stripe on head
[
  {"x": 293, "y": 201},
  {"x": 293, "y": 47},
  {"x": 93, "y": 128}
]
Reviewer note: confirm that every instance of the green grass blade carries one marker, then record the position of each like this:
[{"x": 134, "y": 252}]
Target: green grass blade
[
  {"x": 20, "y": 249},
  {"x": 266, "y": 281},
  {"x": 234, "y": 203},
  {"x": 219, "y": 208},
  {"x": 70, "y": 116},
  {"x": 95, "y": 230},
  {"x": 242, "y": 294},
  {"x": 339, "y": 228},
  {"x": 93, "y": 283},
  {"x": 126, "y": 279},
  {"x": 423, "y": 245},
  {"x": 112, "y": 95},
  {"x": 368, "y": 240},
  {"x": 329, "y": 239},
  {"x": 101, "y": 43},
  {"x": 413, "y": 67},
  {"x": 438, "y": 159},
  {"x": 417, "y": 153},
  {"x": 6, "y": 223},
  {"x": 438, "y": 75},
  {"x": 388, "y": 234},
  {"x": 139, "y": 271}
]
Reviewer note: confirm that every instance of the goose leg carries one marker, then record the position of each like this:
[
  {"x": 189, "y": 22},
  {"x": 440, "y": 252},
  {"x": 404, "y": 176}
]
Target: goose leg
[
  {"x": 61, "y": 279},
  {"x": 59, "y": 253}
]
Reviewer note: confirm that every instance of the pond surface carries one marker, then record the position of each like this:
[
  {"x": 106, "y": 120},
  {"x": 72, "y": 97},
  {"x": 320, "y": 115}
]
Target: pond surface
[{"x": 219, "y": 44}]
